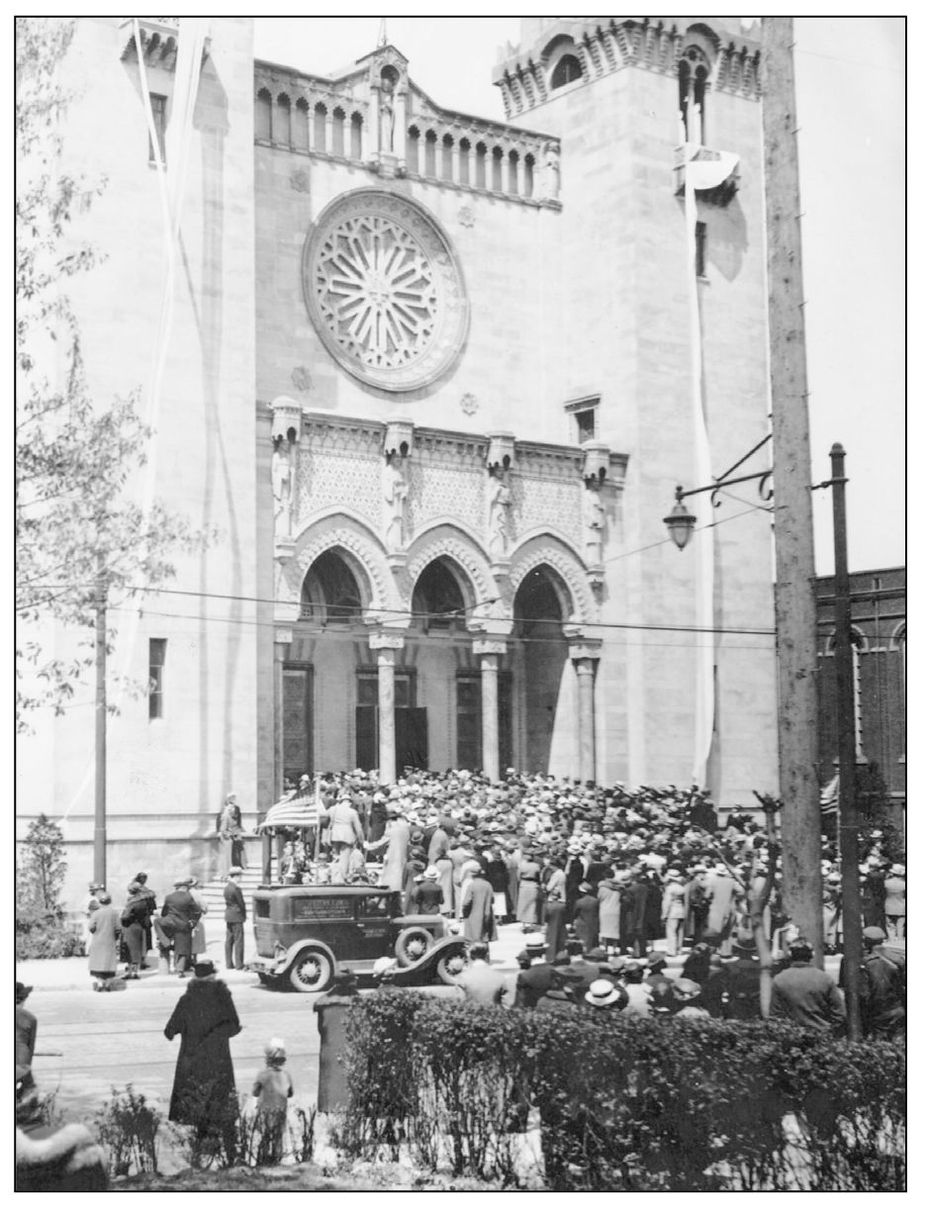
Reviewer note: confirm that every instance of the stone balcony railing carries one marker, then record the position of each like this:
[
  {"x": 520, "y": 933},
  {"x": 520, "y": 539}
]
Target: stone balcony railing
[{"x": 335, "y": 120}]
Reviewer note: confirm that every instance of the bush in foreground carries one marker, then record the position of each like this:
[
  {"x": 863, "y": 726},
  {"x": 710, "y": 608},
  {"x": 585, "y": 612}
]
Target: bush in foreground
[{"x": 624, "y": 1103}]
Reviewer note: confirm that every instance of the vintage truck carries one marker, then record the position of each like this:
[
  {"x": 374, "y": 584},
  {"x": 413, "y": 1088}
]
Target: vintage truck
[{"x": 304, "y": 933}]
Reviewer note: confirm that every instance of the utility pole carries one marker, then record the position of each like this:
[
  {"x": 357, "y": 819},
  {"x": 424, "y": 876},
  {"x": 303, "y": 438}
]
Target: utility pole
[
  {"x": 99, "y": 817},
  {"x": 847, "y": 805},
  {"x": 795, "y": 603}
]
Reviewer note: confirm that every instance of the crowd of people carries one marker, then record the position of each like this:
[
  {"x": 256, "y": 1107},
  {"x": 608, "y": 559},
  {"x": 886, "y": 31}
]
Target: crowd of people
[{"x": 655, "y": 860}]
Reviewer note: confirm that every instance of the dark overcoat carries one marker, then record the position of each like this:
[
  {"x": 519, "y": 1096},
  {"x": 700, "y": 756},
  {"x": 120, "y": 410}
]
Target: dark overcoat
[
  {"x": 478, "y": 911},
  {"x": 203, "y": 1084},
  {"x": 587, "y": 919}
]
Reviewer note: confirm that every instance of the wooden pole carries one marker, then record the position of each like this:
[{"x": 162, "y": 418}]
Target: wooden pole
[
  {"x": 795, "y": 604},
  {"x": 99, "y": 810},
  {"x": 847, "y": 805}
]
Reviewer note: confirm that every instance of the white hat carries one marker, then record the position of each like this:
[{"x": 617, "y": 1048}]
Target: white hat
[
  {"x": 899, "y": 870},
  {"x": 534, "y": 941},
  {"x": 602, "y": 992}
]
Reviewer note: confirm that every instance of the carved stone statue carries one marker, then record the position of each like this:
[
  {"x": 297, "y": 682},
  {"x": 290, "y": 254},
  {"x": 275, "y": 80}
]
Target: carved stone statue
[
  {"x": 395, "y": 493},
  {"x": 551, "y": 172},
  {"x": 594, "y": 518},
  {"x": 387, "y": 115},
  {"x": 281, "y": 478},
  {"x": 499, "y": 519}
]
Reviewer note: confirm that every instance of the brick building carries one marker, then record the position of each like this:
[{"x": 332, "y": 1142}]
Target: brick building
[
  {"x": 433, "y": 380},
  {"x": 878, "y": 625}
]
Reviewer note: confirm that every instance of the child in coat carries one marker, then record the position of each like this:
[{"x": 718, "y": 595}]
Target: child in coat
[{"x": 272, "y": 1088}]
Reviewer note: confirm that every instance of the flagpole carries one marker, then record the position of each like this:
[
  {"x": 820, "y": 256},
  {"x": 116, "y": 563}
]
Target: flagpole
[{"x": 318, "y": 824}]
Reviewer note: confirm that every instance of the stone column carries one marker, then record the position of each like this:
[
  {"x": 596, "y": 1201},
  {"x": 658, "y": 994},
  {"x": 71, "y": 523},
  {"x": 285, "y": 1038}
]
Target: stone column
[
  {"x": 400, "y": 142},
  {"x": 282, "y": 637},
  {"x": 385, "y": 646},
  {"x": 584, "y": 656},
  {"x": 489, "y": 652}
]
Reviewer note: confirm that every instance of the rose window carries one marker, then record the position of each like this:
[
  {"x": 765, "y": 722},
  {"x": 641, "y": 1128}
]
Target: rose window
[{"x": 384, "y": 291}]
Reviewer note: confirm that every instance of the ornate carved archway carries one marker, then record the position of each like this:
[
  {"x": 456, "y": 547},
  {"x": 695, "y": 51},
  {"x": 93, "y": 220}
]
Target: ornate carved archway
[{"x": 549, "y": 550}]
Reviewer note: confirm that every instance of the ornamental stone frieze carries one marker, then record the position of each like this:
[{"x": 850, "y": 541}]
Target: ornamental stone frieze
[{"x": 396, "y": 496}]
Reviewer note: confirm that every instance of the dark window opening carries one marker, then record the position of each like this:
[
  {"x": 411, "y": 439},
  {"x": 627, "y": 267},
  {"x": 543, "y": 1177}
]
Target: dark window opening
[
  {"x": 159, "y": 113},
  {"x": 157, "y": 656},
  {"x": 566, "y": 71},
  {"x": 469, "y": 721},
  {"x": 330, "y": 593},
  {"x": 437, "y": 602},
  {"x": 587, "y": 424},
  {"x": 700, "y": 245}
]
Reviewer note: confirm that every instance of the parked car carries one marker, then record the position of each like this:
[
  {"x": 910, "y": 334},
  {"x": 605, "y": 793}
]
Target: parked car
[{"x": 304, "y": 932}]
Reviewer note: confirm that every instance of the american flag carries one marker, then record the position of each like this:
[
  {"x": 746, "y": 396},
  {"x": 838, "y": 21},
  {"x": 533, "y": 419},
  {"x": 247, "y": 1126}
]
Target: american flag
[{"x": 292, "y": 813}]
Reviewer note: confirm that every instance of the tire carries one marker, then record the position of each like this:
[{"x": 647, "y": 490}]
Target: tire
[
  {"x": 443, "y": 973},
  {"x": 311, "y": 972},
  {"x": 412, "y": 944}
]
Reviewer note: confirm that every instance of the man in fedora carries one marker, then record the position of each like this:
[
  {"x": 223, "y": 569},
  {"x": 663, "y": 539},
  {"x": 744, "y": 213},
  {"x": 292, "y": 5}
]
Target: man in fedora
[
  {"x": 743, "y": 981},
  {"x": 538, "y": 978},
  {"x": 179, "y": 915},
  {"x": 235, "y": 915}
]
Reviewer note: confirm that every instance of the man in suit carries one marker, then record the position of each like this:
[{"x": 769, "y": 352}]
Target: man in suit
[
  {"x": 179, "y": 917},
  {"x": 538, "y": 978},
  {"x": 555, "y": 925},
  {"x": 235, "y": 915},
  {"x": 479, "y": 982}
]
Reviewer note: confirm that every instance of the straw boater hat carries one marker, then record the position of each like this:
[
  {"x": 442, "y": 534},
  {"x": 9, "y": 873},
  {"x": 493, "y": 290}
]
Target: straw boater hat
[
  {"x": 535, "y": 943},
  {"x": 431, "y": 874},
  {"x": 602, "y": 992}
]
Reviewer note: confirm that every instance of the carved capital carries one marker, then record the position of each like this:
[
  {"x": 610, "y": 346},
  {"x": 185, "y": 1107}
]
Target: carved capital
[
  {"x": 386, "y": 641},
  {"x": 287, "y": 418},
  {"x": 489, "y": 647},
  {"x": 596, "y": 461},
  {"x": 583, "y": 652},
  {"x": 500, "y": 451},
  {"x": 282, "y": 634},
  {"x": 399, "y": 437}
]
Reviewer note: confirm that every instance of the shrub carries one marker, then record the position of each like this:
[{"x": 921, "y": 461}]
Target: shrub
[
  {"x": 43, "y": 934},
  {"x": 625, "y": 1103},
  {"x": 127, "y": 1126}
]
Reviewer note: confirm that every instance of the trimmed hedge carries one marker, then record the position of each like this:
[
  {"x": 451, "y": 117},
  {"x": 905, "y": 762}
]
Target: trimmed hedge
[
  {"x": 44, "y": 934},
  {"x": 625, "y": 1103}
]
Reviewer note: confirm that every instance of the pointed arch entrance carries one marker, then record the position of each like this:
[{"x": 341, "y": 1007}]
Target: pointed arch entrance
[{"x": 542, "y": 605}]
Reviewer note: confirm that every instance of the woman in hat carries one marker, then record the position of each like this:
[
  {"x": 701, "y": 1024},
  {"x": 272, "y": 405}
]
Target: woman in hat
[
  {"x": 105, "y": 931},
  {"x": 831, "y": 912},
  {"x": 608, "y": 893},
  {"x": 204, "y": 1094},
  {"x": 136, "y": 917},
  {"x": 529, "y": 902}
]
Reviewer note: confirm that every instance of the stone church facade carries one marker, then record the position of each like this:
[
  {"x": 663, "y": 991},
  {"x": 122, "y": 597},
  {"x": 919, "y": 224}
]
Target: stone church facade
[{"x": 428, "y": 378}]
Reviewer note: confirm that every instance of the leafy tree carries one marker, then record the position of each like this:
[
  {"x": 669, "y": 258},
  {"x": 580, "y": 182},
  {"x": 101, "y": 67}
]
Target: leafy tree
[
  {"x": 42, "y": 869},
  {"x": 78, "y": 533}
]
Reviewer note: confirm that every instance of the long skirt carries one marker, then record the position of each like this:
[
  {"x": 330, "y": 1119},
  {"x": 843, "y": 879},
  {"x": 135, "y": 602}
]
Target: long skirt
[
  {"x": 133, "y": 936},
  {"x": 529, "y": 907}
]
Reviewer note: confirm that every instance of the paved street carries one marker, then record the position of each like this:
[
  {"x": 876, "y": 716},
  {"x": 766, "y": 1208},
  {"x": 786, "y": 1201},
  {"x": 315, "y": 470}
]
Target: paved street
[{"x": 113, "y": 1039}]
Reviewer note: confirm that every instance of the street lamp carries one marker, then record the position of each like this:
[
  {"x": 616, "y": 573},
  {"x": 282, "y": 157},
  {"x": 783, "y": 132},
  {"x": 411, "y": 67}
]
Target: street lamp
[{"x": 680, "y": 523}]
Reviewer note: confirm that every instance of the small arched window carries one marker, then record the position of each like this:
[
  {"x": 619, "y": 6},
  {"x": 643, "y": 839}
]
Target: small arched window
[
  {"x": 693, "y": 77},
  {"x": 464, "y": 148},
  {"x": 283, "y": 131},
  {"x": 262, "y": 116},
  {"x": 337, "y": 132},
  {"x": 513, "y": 161},
  {"x": 446, "y": 159},
  {"x": 300, "y": 125},
  {"x": 528, "y": 175},
  {"x": 481, "y": 154},
  {"x": 412, "y": 151},
  {"x": 430, "y": 154},
  {"x": 567, "y": 70},
  {"x": 497, "y": 158},
  {"x": 356, "y": 137},
  {"x": 318, "y": 137}
]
